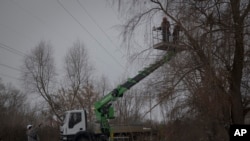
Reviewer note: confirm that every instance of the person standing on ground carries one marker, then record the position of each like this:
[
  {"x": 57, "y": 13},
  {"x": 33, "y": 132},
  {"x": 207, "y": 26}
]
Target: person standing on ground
[{"x": 32, "y": 133}]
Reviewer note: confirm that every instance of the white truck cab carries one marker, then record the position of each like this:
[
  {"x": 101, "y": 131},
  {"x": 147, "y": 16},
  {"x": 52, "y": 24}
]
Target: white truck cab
[{"x": 74, "y": 127}]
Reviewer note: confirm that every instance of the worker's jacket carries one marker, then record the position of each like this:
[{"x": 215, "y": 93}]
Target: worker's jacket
[{"x": 32, "y": 134}]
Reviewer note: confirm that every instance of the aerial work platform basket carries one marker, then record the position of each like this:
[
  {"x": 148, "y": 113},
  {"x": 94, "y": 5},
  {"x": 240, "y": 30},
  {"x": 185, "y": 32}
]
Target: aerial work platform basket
[{"x": 169, "y": 44}]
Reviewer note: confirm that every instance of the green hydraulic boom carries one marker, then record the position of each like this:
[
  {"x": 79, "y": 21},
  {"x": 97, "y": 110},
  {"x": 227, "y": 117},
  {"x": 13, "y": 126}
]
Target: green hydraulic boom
[{"x": 104, "y": 109}]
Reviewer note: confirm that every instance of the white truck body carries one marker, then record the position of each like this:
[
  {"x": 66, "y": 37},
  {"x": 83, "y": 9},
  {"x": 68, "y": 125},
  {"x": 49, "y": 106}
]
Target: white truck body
[{"x": 75, "y": 127}]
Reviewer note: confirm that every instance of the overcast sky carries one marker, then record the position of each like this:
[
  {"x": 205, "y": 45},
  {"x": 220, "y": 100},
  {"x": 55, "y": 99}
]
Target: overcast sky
[{"x": 24, "y": 23}]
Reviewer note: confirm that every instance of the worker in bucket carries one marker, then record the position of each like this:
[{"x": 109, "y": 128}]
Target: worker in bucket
[
  {"x": 32, "y": 133},
  {"x": 165, "y": 25},
  {"x": 176, "y": 33}
]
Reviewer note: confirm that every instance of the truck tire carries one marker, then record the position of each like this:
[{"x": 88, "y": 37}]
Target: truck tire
[{"x": 83, "y": 139}]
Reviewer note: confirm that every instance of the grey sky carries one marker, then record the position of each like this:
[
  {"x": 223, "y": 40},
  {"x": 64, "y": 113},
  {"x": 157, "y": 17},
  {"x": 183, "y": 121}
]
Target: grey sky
[{"x": 23, "y": 23}]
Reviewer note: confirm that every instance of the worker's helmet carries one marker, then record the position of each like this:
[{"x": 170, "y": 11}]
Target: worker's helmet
[{"x": 29, "y": 126}]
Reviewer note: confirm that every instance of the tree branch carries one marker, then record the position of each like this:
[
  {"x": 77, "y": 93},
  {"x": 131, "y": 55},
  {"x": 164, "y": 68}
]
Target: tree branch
[
  {"x": 246, "y": 12},
  {"x": 166, "y": 95}
]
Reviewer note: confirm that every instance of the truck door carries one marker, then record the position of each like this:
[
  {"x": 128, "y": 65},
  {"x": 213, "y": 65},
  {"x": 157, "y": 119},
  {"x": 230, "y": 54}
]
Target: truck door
[{"x": 76, "y": 123}]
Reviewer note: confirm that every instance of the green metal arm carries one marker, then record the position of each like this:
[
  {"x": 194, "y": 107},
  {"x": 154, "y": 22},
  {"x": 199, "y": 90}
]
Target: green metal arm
[{"x": 104, "y": 109}]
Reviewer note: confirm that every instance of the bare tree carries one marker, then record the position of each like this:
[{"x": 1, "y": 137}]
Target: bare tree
[
  {"x": 130, "y": 107},
  {"x": 87, "y": 97},
  {"x": 204, "y": 28},
  {"x": 215, "y": 35},
  {"x": 13, "y": 113},
  {"x": 78, "y": 70},
  {"x": 39, "y": 73},
  {"x": 78, "y": 90},
  {"x": 103, "y": 86}
]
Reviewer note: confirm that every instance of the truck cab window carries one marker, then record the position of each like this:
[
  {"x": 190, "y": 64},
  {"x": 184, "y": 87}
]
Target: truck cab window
[{"x": 74, "y": 119}]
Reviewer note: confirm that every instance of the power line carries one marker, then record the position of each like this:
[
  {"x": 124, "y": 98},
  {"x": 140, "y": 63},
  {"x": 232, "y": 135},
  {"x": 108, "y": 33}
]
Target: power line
[
  {"x": 16, "y": 69},
  {"x": 96, "y": 23},
  {"x": 39, "y": 20},
  {"x": 10, "y": 67},
  {"x": 5, "y": 75},
  {"x": 13, "y": 50},
  {"x": 85, "y": 29}
]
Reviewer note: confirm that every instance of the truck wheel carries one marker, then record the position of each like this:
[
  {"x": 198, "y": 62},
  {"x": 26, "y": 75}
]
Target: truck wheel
[{"x": 82, "y": 139}]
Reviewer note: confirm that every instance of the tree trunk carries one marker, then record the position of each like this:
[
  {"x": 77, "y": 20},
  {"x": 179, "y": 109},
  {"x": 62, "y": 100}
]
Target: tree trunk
[{"x": 236, "y": 73}]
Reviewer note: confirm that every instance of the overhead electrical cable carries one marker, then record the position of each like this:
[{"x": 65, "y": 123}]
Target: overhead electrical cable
[
  {"x": 10, "y": 67},
  {"x": 39, "y": 20},
  {"x": 96, "y": 23},
  {"x": 13, "y": 50},
  {"x": 92, "y": 36},
  {"x": 5, "y": 75}
]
